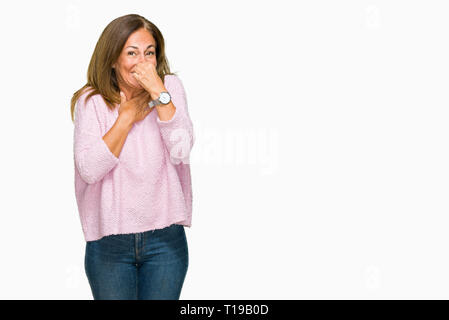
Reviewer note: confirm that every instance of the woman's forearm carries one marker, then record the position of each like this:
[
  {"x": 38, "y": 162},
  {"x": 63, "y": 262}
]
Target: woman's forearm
[
  {"x": 166, "y": 112},
  {"x": 115, "y": 138}
]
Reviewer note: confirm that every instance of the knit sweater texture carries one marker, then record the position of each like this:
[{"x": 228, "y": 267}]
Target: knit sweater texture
[{"x": 148, "y": 186}]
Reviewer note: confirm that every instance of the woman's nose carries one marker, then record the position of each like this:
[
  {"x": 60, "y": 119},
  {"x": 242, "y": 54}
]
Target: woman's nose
[{"x": 141, "y": 58}]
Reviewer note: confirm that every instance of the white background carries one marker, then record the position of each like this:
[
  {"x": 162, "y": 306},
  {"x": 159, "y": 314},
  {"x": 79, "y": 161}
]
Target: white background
[{"x": 320, "y": 166}]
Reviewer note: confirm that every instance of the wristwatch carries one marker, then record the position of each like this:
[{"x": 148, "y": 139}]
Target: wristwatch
[{"x": 164, "y": 98}]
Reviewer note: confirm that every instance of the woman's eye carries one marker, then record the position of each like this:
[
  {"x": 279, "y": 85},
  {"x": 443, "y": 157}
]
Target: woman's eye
[{"x": 131, "y": 52}]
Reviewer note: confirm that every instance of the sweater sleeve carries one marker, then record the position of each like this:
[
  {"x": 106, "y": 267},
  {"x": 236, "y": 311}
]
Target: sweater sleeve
[
  {"x": 177, "y": 133},
  {"x": 92, "y": 156}
]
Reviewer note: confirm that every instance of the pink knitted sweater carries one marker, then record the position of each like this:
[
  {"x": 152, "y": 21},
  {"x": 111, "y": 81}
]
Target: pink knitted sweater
[{"x": 149, "y": 186}]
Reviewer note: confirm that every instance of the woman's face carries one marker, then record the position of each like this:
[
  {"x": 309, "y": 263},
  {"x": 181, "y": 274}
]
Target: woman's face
[{"x": 139, "y": 47}]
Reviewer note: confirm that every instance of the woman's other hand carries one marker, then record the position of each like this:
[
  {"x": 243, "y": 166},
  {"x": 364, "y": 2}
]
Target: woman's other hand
[{"x": 135, "y": 109}]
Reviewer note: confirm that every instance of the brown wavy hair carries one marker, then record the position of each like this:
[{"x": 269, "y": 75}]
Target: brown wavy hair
[{"x": 101, "y": 77}]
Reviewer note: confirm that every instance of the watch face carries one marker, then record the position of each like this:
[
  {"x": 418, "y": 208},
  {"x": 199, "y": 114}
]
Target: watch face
[{"x": 164, "y": 98}]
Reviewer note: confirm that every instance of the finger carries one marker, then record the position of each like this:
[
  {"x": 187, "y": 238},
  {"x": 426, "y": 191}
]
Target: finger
[
  {"x": 140, "y": 97},
  {"x": 137, "y": 69},
  {"x": 143, "y": 94},
  {"x": 146, "y": 111},
  {"x": 122, "y": 97},
  {"x": 144, "y": 97},
  {"x": 141, "y": 102},
  {"x": 139, "y": 112},
  {"x": 149, "y": 110}
]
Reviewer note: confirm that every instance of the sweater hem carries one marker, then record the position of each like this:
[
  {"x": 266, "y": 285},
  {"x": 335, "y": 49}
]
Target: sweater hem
[{"x": 184, "y": 221}]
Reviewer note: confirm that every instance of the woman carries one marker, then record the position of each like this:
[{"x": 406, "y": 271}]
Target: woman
[{"x": 132, "y": 140}]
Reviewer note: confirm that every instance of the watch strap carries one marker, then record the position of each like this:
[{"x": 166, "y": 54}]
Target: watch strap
[{"x": 154, "y": 102}]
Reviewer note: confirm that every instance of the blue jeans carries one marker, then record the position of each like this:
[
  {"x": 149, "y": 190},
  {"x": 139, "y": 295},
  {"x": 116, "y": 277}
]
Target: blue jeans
[{"x": 138, "y": 266}]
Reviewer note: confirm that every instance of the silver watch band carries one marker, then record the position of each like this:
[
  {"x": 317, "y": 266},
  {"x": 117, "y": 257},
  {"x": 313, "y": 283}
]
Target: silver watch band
[{"x": 153, "y": 103}]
